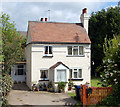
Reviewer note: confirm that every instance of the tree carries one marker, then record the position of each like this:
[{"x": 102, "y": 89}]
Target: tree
[
  {"x": 12, "y": 49},
  {"x": 111, "y": 62},
  {"x": 102, "y": 23}
]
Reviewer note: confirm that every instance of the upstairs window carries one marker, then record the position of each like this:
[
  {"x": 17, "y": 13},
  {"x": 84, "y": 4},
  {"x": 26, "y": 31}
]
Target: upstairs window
[
  {"x": 75, "y": 50},
  {"x": 75, "y": 73},
  {"x": 48, "y": 51}
]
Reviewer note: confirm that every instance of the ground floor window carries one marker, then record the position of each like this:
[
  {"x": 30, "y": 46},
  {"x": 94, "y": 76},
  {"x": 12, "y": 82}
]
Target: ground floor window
[
  {"x": 20, "y": 69},
  {"x": 61, "y": 75},
  {"x": 75, "y": 73},
  {"x": 44, "y": 74}
]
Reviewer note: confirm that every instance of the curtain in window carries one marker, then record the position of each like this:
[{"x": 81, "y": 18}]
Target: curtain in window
[
  {"x": 75, "y": 50},
  {"x": 80, "y": 50},
  {"x": 69, "y": 50},
  {"x": 61, "y": 75}
]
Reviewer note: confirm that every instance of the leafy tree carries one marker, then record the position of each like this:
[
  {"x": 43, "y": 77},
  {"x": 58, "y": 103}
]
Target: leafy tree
[
  {"x": 12, "y": 43},
  {"x": 102, "y": 23},
  {"x": 111, "y": 62}
]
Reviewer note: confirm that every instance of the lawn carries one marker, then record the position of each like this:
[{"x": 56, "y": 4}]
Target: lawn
[{"x": 95, "y": 81}]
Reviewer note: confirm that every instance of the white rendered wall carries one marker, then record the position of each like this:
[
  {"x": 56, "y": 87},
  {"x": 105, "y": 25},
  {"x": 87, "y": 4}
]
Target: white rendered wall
[{"x": 59, "y": 54}]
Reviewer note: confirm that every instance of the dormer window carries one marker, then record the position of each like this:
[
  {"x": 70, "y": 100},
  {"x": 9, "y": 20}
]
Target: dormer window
[{"x": 47, "y": 50}]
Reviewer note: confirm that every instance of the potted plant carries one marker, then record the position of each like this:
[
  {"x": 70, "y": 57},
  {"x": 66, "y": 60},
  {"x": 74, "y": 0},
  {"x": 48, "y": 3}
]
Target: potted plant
[
  {"x": 49, "y": 86},
  {"x": 34, "y": 87},
  {"x": 70, "y": 85},
  {"x": 41, "y": 87},
  {"x": 61, "y": 86},
  {"x": 44, "y": 87}
]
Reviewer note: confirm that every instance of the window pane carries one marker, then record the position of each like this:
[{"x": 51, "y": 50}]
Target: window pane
[
  {"x": 75, "y": 74},
  {"x": 50, "y": 49},
  {"x": 20, "y": 71},
  {"x": 80, "y": 50},
  {"x": 80, "y": 73},
  {"x": 70, "y": 73},
  {"x": 44, "y": 74},
  {"x": 20, "y": 66},
  {"x": 75, "y": 50},
  {"x": 69, "y": 50},
  {"x": 46, "y": 49}
]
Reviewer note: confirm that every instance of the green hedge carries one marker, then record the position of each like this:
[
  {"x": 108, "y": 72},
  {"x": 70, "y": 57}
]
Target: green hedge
[{"x": 7, "y": 83}]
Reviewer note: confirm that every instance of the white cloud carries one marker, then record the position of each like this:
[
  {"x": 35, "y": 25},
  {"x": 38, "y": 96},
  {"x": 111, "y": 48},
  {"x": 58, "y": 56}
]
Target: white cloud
[{"x": 22, "y": 12}]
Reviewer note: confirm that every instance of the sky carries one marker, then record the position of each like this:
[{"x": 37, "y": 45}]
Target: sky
[{"x": 68, "y": 12}]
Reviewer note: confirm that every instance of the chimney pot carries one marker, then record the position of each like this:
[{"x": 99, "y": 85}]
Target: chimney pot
[
  {"x": 84, "y": 10},
  {"x": 41, "y": 19},
  {"x": 46, "y": 19}
]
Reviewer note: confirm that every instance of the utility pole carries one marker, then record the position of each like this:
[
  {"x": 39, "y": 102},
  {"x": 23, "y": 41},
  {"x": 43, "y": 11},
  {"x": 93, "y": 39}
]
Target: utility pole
[{"x": 49, "y": 14}]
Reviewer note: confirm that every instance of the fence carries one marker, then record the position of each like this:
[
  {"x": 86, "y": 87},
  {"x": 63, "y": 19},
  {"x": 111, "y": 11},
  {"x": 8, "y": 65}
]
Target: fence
[{"x": 92, "y": 95}]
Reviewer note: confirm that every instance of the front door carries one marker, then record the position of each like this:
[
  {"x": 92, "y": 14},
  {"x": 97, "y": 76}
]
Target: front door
[{"x": 61, "y": 75}]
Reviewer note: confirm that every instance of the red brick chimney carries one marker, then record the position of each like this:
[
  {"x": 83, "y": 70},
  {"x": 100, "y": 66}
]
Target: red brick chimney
[
  {"x": 84, "y": 10},
  {"x": 46, "y": 19},
  {"x": 41, "y": 19}
]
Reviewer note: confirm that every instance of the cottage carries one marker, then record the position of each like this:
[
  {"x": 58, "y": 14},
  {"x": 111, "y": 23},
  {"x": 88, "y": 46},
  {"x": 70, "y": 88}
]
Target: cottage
[{"x": 58, "y": 52}]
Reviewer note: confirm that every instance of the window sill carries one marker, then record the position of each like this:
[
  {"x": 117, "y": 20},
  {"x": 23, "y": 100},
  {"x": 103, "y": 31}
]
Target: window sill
[
  {"x": 77, "y": 79},
  {"x": 47, "y": 55},
  {"x": 43, "y": 80},
  {"x": 75, "y": 55}
]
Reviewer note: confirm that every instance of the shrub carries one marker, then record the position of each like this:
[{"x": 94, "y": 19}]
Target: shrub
[
  {"x": 19, "y": 82},
  {"x": 50, "y": 84},
  {"x": 4, "y": 101},
  {"x": 112, "y": 99},
  {"x": 15, "y": 82},
  {"x": 61, "y": 86},
  {"x": 7, "y": 83}
]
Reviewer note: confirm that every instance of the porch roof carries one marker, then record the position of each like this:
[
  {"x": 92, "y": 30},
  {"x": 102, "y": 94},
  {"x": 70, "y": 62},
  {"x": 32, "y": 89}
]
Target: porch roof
[{"x": 57, "y": 64}]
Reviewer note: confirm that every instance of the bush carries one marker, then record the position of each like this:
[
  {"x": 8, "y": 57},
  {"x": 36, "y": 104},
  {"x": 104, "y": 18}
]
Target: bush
[
  {"x": 4, "y": 101},
  {"x": 15, "y": 82},
  {"x": 112, "y": 99},
  {"x": 61, "y": 86},
  {"x": 7, "y": 83},
  {"x": 19, "y": 82}
]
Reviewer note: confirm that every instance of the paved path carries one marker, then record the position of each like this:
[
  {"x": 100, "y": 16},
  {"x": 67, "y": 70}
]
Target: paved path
[{"x": 25, "y": 97}]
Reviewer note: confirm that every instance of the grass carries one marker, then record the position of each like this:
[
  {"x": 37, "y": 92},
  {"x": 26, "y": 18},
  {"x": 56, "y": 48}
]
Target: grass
[
  {"x": 74, "y": 97},
  {"x": 95, "y": 81}
]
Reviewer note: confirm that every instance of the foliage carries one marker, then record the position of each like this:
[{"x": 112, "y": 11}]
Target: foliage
[
  {"x": 61, "y": 86},
  {"x": 70, "y": 84},
  {"x": 102, "y": 23},
  {"x": 112, "y": 99},
  {"x": 7, "y": 83},
  {"x": 12, "y": 43},
  {"x": 111, "y": 62},
  {"x": 50, "y": 84},
  {"x": 4, "y": 101}
]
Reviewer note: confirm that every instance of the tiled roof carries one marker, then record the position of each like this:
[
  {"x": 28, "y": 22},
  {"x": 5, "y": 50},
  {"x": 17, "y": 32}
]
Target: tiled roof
[
  {"x": 57, "y": 64},
  {"x": 58, "y": 32}
]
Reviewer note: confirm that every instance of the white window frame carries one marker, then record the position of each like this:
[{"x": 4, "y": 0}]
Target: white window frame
[
  {"x": 40, "y": 74},
  {"x": 48, "y": 51},
  {"x": 77, "y": 73},
  {"x": 16, "y": 69},
  {"x": 78, "y": 50},
  {"x": 65, "y": 74}
]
